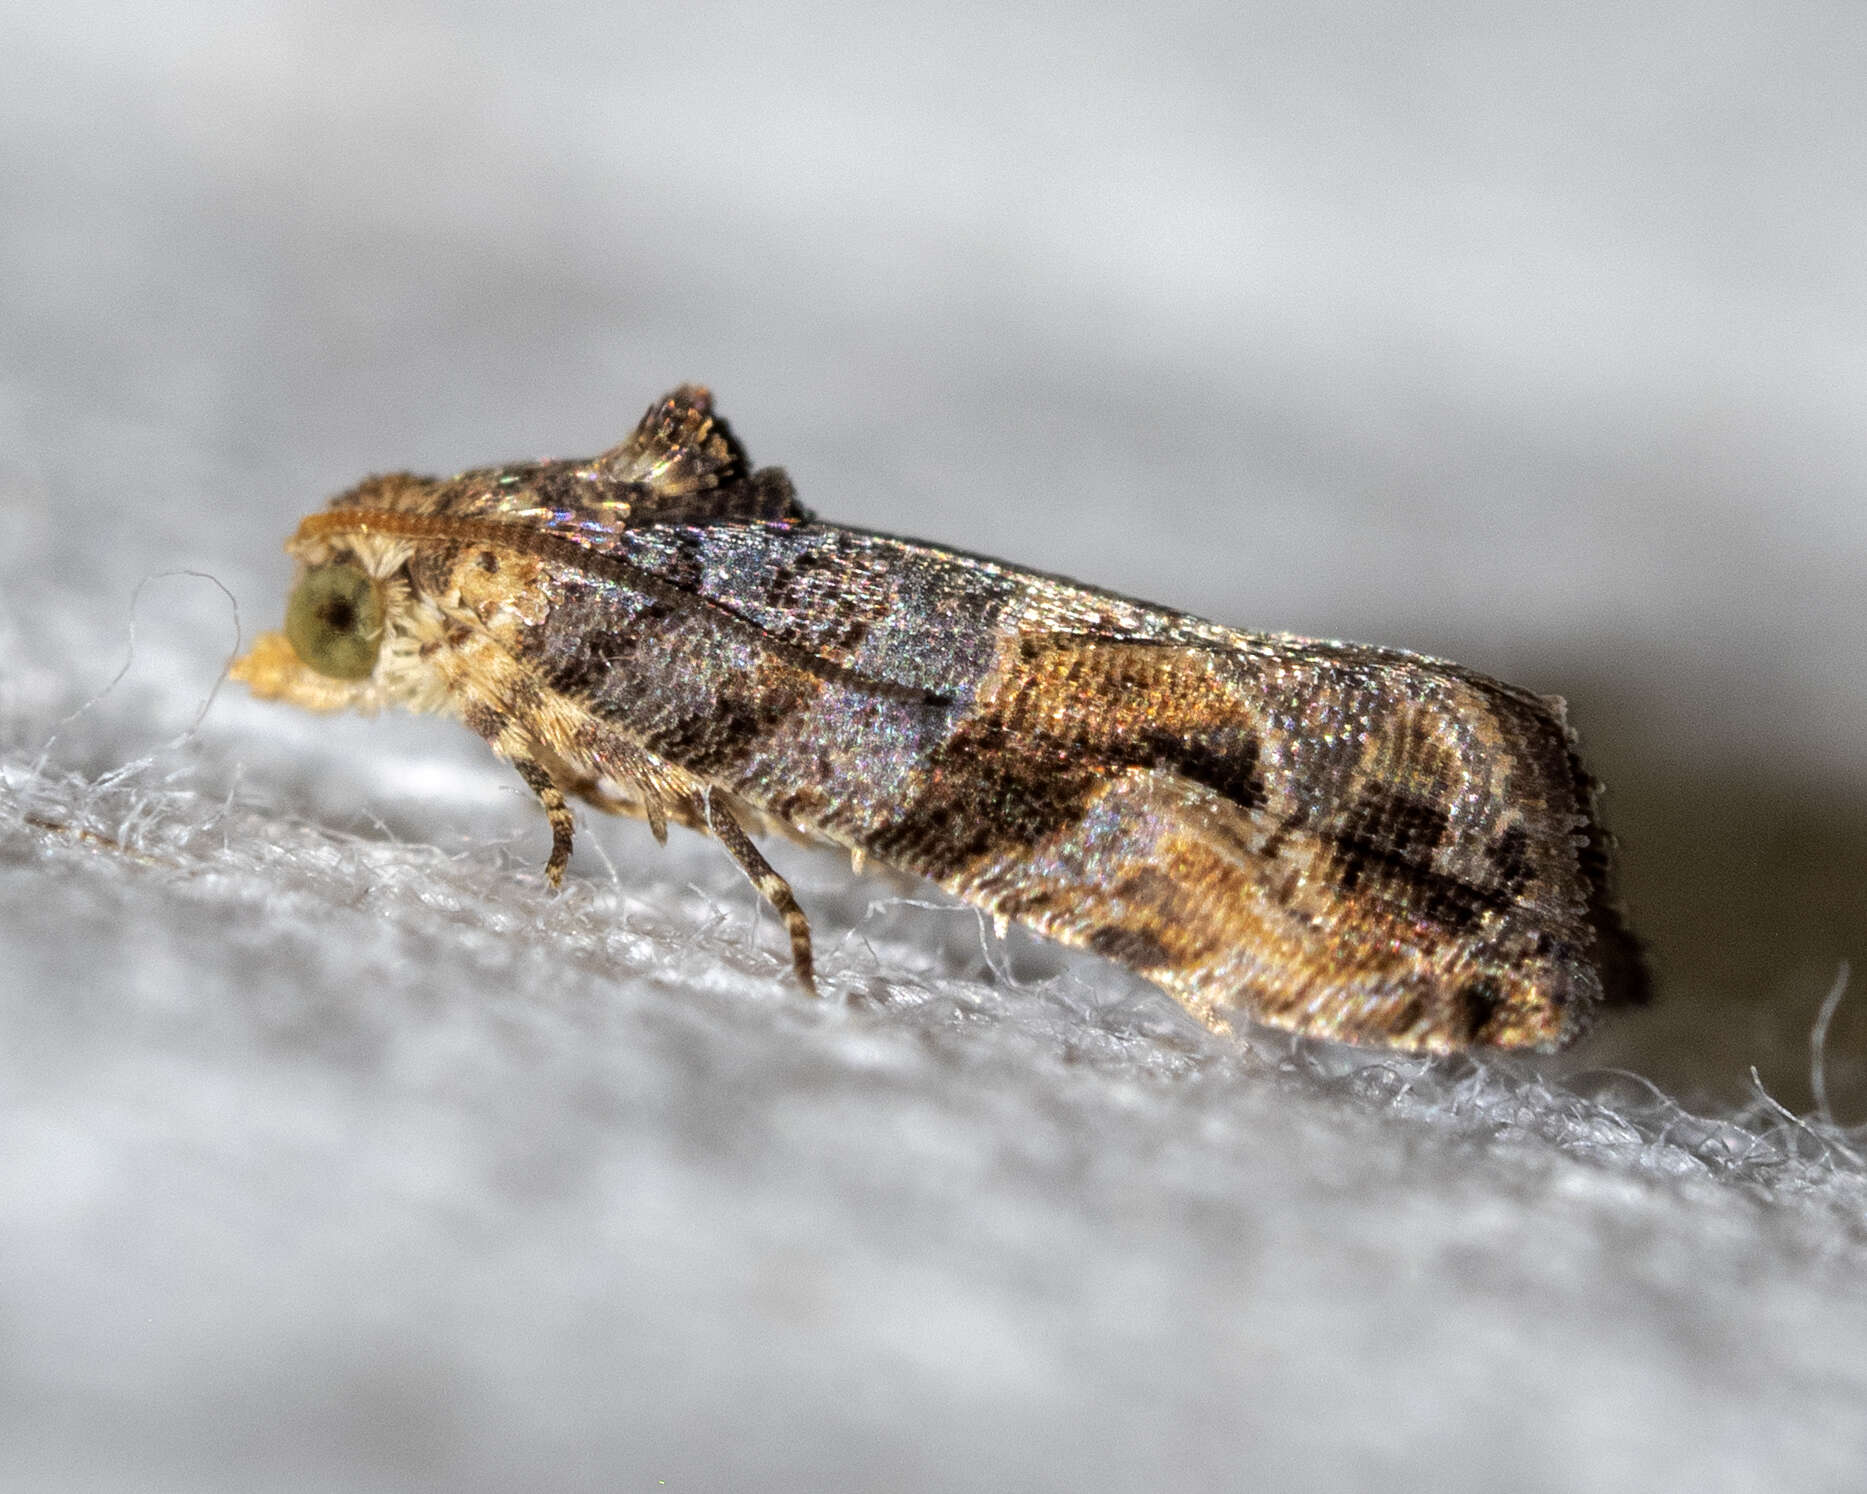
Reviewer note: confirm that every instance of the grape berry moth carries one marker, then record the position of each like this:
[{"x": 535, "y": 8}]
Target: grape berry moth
[{"x": 1352, "y": 842}]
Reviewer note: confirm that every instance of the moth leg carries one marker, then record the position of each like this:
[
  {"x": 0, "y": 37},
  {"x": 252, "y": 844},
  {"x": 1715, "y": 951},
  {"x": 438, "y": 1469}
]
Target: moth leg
[
  {"x": 771, "y": 886},
  {"x": 510, "y": 741},
  {"x": 556, "y": 811}
]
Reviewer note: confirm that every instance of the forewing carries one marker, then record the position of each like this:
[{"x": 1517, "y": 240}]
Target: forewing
[{"x": 1352, "y": 843}]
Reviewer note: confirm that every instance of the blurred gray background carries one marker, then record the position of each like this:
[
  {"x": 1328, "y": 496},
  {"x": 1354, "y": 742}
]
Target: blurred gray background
[{"x": 1532, "y": 335}]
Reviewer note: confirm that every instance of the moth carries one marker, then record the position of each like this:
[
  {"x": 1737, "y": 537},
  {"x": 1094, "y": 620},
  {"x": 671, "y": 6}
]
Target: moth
[{"x": 1352, "y": 842}]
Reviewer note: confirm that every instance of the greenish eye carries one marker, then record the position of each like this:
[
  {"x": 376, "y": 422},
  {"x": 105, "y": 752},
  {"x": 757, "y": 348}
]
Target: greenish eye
[{"x": 334, "y": 621}]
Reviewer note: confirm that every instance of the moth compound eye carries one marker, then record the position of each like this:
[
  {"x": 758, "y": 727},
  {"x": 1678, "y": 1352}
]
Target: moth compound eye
[{"x": 334, "y": 621}]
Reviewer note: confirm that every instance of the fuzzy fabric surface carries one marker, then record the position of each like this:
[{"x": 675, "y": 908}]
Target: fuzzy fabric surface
[{"x": 336, "y": 1153}]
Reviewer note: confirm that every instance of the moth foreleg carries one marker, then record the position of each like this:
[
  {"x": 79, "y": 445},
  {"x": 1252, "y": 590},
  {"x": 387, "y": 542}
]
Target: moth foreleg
[
  {"x": 772, "y": 887},
  {"x": 556, "y": 811}
]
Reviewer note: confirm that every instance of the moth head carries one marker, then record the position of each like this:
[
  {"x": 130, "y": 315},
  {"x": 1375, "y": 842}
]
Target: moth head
[{"x": 336, "y": 624}]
